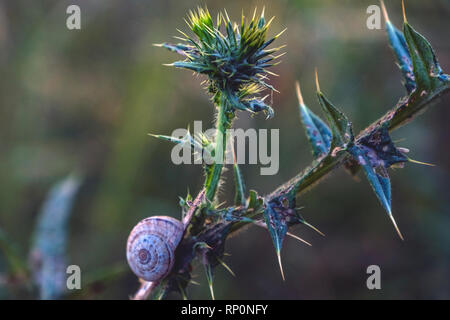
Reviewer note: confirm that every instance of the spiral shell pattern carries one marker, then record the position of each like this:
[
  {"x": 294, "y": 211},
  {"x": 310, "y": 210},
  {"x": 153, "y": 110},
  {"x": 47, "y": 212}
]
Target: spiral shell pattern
[{"x": 151, "y": 246}]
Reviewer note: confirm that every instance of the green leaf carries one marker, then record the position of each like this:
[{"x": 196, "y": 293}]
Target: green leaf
[
  {"x": 277, "y": 227},
  {"x": 427, "y": 72},
  {"x": 398, "y": 44},
  {"x": 380, "y": 184},
  {"x": 318, "y": 133},
  {"x": 254, "y": 201},
  {"x": 341, "y": 127}
]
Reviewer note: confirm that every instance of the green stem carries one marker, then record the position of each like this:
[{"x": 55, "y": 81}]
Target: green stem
[
  {"x": 223, "y": 123},
  {"x": 397, "y": 117}
]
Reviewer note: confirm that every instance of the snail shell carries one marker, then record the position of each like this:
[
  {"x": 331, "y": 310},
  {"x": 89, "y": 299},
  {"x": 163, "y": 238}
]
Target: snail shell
[{"x": 151, "y": 246}]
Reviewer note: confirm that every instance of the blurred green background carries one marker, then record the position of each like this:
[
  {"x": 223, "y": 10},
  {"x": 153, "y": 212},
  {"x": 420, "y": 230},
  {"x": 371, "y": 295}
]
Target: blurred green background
[{"x": 85, "y": 100}]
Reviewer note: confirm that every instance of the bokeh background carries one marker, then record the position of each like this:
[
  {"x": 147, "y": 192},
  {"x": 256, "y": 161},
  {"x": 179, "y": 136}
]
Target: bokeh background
[{"x": 85, "y": 100}]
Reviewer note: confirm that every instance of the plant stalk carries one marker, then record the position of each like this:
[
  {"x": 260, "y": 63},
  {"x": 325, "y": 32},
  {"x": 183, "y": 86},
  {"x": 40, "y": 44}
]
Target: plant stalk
[
  {"x": 223, "y": 123},
  {"x": 319, "y": 169}
]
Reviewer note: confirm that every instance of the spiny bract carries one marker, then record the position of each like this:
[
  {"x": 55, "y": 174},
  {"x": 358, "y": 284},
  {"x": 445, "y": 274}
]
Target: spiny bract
[{"x": 236, "y": 63}]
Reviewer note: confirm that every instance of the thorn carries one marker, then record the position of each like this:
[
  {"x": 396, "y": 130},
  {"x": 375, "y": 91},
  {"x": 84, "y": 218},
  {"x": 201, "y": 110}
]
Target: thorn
[
  {"x": 279, "y": 56},
  {"x": 220, "y": 204},
  {"x": 182, "y": 292},
  {"x": 202, "y": 245},
  {"x": 385, "y": 14},
  {"x": 158, "y": 44},
  {"x": 226, "y": 267},
  {"x": 281, "y": 266},
  {"x": 254, "y": 14},
  {"x": 317, "y": 80},
  {"x": 271, "y": 73},
  {"x": 210, "y": 280},
  {"x": 175, "y": 37},
  {"x": 168, "y": 64},
  {"x": 396, "y": 227},
  {"x": 211, "y": 289},
  {"x": 270, "y": 22},
  {"x": 420, "y": 162},
  {"x": 226, "y": 14},
  {"x": 263, "y": 10},
  {"x": 160, "y": 296},
  {"x": 403, "y": 10},
  {"x": 298, "y": 238},
  {"x": 314, "y": 228},
  {"x": 276, "y": 89},
  {"x": 403, "y": 150},
  {"x": 299, "y": 93},
  {"x": 279, "y": 34}
]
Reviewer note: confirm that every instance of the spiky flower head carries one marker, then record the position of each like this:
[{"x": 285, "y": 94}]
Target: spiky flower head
[{"x": 234, "y": 59}]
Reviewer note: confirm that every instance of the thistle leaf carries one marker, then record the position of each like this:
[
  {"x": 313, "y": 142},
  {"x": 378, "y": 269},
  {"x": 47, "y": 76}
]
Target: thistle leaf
[
  {"x": 254, "y": 201},
  {"x": 381, "y": 149},
  {"x": 318, "y": 133},
  {"x": 400, "y": 48},
  {"x": 341, "y": 127},
  {"x": 277, "y": 227},
  {"x": 427, "y": 71},
  {"x": 381, "y": 185}
]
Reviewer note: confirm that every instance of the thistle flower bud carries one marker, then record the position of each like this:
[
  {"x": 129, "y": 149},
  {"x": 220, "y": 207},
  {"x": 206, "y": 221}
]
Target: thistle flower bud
[{"x": 235, "y": 61}]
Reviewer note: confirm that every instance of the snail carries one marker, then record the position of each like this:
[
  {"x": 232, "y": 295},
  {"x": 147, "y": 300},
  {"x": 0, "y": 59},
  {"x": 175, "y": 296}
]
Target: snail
[
  {"x": 151, "y": 246},
  {"x": 152, "y": 243}
]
